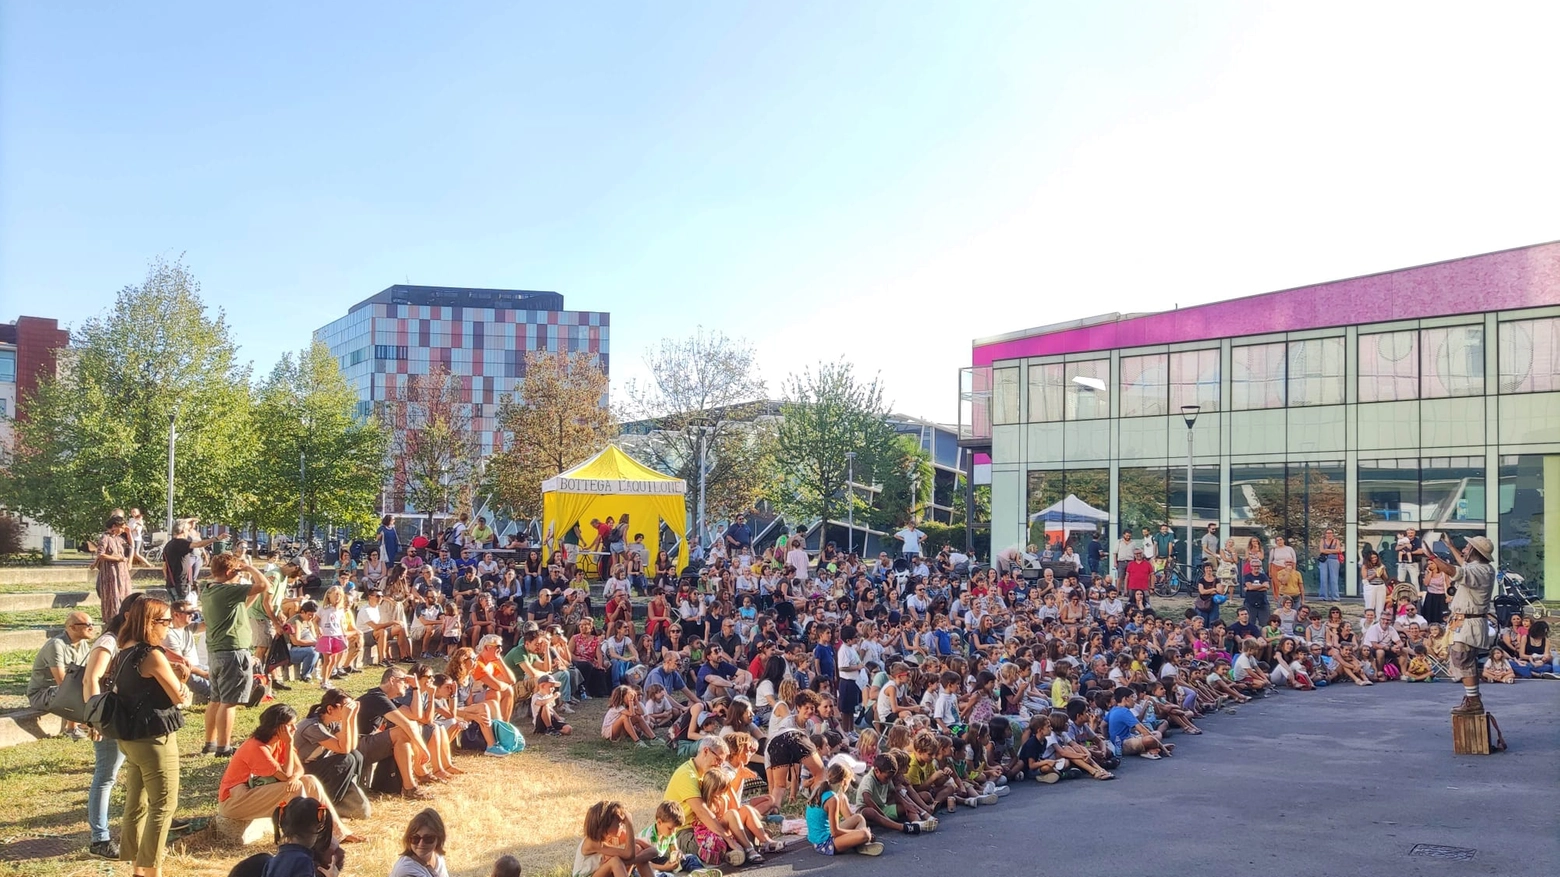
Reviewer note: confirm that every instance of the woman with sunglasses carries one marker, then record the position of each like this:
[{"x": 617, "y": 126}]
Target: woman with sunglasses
[
  {"x": 423, "y": 852},
  {"x": 143, "y": 673}
]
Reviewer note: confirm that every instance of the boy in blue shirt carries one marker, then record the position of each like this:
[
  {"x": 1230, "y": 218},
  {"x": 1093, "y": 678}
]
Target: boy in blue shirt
[{"x": 1128, "y": 735}]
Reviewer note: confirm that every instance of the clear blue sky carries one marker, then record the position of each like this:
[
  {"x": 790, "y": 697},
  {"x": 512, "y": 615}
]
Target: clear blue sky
[{"x": 880, "y": 180}]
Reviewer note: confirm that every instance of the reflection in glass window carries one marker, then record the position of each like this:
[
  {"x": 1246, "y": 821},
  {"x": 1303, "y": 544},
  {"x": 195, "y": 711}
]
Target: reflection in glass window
[
  {"x": 1530, "y": 356},
  {"x": 1087, "y": 389},
  {"x": 1252, "y": 485},
  {"x": 1194, "y": 379},
  {"x": 1389, "y": 367},
  {"x": 1525, "y": 524},
  {"x": 1390, "y": 488},
  {"x": 1004, "y": 395},
  {"x": 1257, "y": 376},
  {"x": 1045, "y": 393},
  {"x": 1451, "y": 492},
  {"x": 1144, "y": 385},
  {"x": 1049, "y": 487},
  {"x": 1316, "y": 372},
  {"x": 1451, "y": 361}
]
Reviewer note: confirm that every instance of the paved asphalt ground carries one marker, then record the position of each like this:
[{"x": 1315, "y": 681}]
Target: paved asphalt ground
[{"x": 1342, "y": 781}]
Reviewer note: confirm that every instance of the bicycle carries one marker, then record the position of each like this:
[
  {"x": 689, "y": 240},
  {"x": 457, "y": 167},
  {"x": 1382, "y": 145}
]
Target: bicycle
[{"x": 1173, "y": 580}]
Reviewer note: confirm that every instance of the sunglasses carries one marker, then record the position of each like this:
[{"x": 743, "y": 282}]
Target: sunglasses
[
  {"x": 168, "y": 620},
  {"x": 418, "y": 840}
]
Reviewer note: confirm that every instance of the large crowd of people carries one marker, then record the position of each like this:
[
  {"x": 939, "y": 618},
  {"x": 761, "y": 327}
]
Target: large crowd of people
[{"x": 814, "y": 694}]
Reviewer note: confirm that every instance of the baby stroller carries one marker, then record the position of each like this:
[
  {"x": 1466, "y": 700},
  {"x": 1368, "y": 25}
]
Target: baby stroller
[{"x": 1512, "y": 589}]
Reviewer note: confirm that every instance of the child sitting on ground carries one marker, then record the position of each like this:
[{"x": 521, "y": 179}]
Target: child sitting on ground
[
  {"x": 741, "y": 749},
  {"x": 831, "y": 826},
  {"x": 880, "y": 802},
  {"x": 745, "y": 824},
  {"x": 625, "y": 718},
  {"x": 662, "y": 835},
  {"x": 1419, "y": 669},
  {"x": 506, "y": 866},
  {"x": 661, "y": 710},
  {"x": 1064, "y": 752},
  {"x": 1498, "y": 668},
  {"x": 609, "y": 848},
  {"x": 544, "y": 706}
]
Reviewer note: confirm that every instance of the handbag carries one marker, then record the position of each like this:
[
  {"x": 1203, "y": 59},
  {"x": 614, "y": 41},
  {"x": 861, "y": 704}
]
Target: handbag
[
  {"x": 118, "y": 716},
  {"x": 69, "y": 701}
]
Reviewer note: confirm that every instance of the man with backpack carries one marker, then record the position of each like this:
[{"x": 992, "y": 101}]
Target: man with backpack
[{"x": 52, "y": 661}]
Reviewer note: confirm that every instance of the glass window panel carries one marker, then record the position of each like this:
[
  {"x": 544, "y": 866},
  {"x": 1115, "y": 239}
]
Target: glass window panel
[
  {"x": 1389, "y": 488},
  {"x": 8, "y": 366},
  {"x": 1530, "y": 356},
  {"x": 1194, "y": 379},
  {"x": 1145, "y": 390},
  {"x": 1525, "y": 528},
  {"x": 1045, "y": 393},
  {"x": 1451, "y": 361},
  {"x": 1004, "y": 395},
  {"x": 1256, "y": 502},
  {"x": 1047, "y": 488},
  {"x": 1087, "y": 389},
  {"x": 1389, "y": 367},
  {"x": 1315, "y": 498},
  {"x": 1316, "y": 371},
  {"x": 1205, "y": 505},
  {"x": 1451, "y": 493},
  {"x": 1257, "y": 376},
  {"x": 1145, "y": 498}
]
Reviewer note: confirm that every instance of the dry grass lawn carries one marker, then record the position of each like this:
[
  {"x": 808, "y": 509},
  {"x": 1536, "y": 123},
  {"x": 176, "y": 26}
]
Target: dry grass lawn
[{"x": 529, "y": 805}]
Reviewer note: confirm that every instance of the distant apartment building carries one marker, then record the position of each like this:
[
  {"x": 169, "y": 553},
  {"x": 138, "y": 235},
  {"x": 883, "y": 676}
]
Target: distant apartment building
[
  {"x": 481, "y": 336},
  {"x": 29, "y": 352}
]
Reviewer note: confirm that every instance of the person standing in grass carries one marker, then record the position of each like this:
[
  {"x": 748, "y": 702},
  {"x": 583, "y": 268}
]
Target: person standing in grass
[
  {"x": 143, "y": 675},
  {"x": 223, "y": 603}
]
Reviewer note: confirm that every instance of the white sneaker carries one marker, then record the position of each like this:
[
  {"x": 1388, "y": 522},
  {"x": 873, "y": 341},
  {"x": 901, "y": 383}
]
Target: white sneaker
[
  {"x": 986, "y": 799},
  {"x": 870, "y": 848},
  {"x": 1001, "y": 791}
]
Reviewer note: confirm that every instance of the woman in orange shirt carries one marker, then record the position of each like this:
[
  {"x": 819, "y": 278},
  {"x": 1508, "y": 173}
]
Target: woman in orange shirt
[{"x": 265, "y": 771}]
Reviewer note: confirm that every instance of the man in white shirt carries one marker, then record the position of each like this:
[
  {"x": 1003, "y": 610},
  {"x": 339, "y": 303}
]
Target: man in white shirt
[
  {"x": 1149, "y": 549},
  {"x": 1124, "y": 550},
  {"x": 374, "y": 617},
  {"x": 1383, "y": 642},
  {"x": 180, "y": 641},
  {"x": 911, "y": 536}
]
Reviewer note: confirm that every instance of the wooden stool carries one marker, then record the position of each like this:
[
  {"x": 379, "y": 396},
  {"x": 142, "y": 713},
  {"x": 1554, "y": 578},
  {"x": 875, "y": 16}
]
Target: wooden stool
[{"x": 1470, "y": 734}]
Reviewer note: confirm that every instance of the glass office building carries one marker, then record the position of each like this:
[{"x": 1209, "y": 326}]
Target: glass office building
[{"x": 1427, "y": 397}]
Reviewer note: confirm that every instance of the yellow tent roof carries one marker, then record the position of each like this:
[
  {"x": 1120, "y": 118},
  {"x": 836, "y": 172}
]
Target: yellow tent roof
[{"x": 613, "y": 472}]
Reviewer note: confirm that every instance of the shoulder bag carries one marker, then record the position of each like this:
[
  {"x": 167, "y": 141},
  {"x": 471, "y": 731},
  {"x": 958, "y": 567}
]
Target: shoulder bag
[{"x": 119, "y": 716}]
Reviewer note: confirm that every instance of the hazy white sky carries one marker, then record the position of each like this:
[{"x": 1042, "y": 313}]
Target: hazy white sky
[{"x": 883, "y": 181}]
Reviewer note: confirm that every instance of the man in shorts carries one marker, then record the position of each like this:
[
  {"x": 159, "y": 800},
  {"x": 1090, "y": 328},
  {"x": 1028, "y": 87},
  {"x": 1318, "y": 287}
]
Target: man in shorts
[
  {"x": 224, "y": 604},
  {"x": 1474, "y": 578}
]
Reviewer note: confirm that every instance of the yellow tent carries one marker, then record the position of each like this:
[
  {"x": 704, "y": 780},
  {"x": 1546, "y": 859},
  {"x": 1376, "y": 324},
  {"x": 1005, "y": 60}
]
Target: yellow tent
[{"x": 613, "y": 484}]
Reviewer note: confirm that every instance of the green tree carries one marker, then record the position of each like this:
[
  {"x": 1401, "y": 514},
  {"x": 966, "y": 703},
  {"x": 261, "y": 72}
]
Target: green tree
[
  {"x": 312, "y": 446},
  {"x": 433, "y": 449},
  {"x": 97, "y": 434},
  {"x": 904, "y": 478},
  {"x": 826, "y": 414},
  {"x": 556, "y": 420},
  {"x": 705, "y": 388}
]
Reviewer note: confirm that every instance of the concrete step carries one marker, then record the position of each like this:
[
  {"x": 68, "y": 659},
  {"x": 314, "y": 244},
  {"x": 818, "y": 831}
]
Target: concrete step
[
  {"x": 66, "y": 574},
  {"x": 44, "y": 600},
  {"x": 25, "y": 726},
  {"x": 17, "y": 640}
]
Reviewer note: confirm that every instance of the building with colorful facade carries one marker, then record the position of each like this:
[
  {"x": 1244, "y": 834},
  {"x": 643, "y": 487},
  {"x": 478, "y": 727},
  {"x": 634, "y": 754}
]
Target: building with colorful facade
[
  {"x": 481, "y": 336},
  {"x": 1425, "y": 397}
]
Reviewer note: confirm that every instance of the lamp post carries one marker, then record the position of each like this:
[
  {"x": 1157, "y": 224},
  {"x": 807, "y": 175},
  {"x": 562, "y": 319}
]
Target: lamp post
[
  {"x": 850, "y": 501},
  {"x": 172, "y": 437},
  {"x": 703, "y": 452},
  {"x": 1189, "y": 412}
]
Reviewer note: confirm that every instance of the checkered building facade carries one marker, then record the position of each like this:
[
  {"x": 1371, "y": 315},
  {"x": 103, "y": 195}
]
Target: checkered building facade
[{"x": 382, "y": 342}]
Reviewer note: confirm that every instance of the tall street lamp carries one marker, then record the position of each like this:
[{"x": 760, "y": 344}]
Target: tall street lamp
[
  {"x": 172, "y": 437},
  {"x": 703, "y": 468},
  {"x": 1189, "y": 413},
  {"x": 850, "y": 500}
]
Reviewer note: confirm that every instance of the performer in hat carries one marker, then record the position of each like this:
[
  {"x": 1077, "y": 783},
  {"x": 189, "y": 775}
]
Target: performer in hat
[{"x": 1473, "y": 578}]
